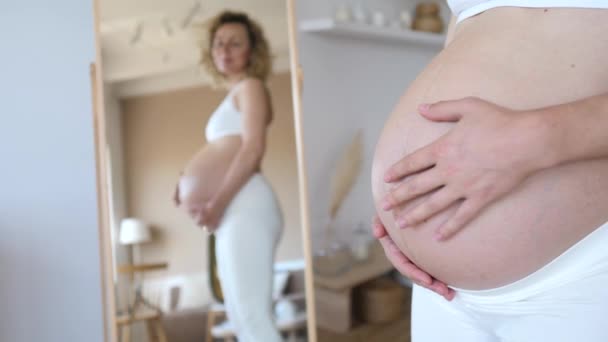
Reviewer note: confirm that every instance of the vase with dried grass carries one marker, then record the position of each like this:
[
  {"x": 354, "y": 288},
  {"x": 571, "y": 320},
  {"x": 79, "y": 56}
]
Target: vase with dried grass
[{"x": 333, "y": 258}]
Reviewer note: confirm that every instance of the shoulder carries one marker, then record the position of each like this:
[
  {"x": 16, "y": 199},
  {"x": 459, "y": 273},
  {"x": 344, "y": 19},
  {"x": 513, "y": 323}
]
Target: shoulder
[
  {"x": 252, "y": 90},
  {"x": 252, "y": 85}
]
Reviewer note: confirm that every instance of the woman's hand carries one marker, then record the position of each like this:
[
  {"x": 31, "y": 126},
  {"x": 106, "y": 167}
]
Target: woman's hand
[
  {"x": 405, "y": 266},
  {"x": 210, "y": 215},
  {"x": 489, "y": 152}
]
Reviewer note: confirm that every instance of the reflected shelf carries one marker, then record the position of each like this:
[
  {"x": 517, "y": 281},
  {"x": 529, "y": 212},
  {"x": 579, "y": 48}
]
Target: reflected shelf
[{"x": 329, "y": 26}]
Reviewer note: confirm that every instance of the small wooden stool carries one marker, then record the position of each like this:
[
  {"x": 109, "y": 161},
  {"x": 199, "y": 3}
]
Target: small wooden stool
[
  {"x": 152, "y": 319},
  {"x": 141, "y": 309}
]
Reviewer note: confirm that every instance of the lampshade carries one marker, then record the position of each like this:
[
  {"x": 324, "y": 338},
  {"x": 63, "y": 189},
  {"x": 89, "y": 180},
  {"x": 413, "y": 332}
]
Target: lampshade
[{"x": 133, "y": 231}]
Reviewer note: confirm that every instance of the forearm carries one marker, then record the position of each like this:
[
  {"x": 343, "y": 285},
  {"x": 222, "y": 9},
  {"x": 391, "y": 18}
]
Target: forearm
[
  {"x": 244, "y": 164},
  {"x": 450, "y": 31},
  {"x": 576, "y": 130}
]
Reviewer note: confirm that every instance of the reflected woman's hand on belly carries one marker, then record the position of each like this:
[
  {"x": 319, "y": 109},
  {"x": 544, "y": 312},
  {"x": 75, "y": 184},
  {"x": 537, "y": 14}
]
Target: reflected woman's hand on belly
[
  {"x": 487, "y": 154},
  {"x": 211, "y": 214}
]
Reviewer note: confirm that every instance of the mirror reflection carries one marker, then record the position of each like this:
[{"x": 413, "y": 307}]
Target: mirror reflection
[{"x": 202, "y": 171}]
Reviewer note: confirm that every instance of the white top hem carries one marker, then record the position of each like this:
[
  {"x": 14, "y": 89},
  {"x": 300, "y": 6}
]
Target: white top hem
[{"x": 484, "y": 6}]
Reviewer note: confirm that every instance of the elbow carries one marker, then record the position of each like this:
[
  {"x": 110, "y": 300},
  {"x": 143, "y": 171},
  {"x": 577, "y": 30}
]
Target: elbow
[{"x": 253, "y": 153}]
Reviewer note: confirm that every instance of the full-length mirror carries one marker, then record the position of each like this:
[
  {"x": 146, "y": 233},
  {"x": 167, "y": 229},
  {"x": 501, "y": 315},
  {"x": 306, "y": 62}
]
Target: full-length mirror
[{"x": 202, "y": 174}]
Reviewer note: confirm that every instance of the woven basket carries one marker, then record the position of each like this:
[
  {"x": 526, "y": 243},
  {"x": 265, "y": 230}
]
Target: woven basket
[{"x": 379, "y": 301}]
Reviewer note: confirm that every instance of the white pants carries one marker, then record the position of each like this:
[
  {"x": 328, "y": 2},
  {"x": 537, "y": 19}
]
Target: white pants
[
  {"x": 565, "y": 301},
  {"x": 245, "y": 245}
]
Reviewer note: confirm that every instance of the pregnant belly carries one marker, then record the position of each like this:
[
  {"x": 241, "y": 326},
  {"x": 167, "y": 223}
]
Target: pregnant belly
[
  {"x": 552, "y": 209},
  {"x": 205, "y": 172}
]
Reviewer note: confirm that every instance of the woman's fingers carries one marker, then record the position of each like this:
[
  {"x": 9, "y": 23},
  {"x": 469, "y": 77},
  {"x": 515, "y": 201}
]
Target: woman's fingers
[
  {"x": 412, "y": 163},
  {"x": 378, "y": 229},
  {"x": 442, "y": 289},
  {"x": 403, "y": 264},
  {"x": 417, "y": 185},
  {"x": 413, "y": 272},
  {"x": 465, "y": 213},
  {"x": 437, "y": 202},
  {"x": 449, "y": 111}
]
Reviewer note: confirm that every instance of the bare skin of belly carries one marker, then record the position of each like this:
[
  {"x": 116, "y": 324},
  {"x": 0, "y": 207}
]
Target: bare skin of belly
[
  {"x": 204, "y": 173},
  {"x": 521, "y": 59}
]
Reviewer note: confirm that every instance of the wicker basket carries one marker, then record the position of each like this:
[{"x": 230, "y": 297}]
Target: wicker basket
[{"x": 379, "y": 301}]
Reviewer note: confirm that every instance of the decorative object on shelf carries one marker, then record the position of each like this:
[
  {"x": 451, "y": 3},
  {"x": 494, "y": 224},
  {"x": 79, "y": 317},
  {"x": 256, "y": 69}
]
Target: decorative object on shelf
[
  {"x": 405, "y": 20},
  {"x": 360, "y": 14},
  {"x": 343, "y": 13},
  {"x": 379, "y": 301},
  {"x": 427, "y": 18},
  {"x": 395, "y": 24},
  {"x": 332, "y": 260},
  {"x": 331, "y": 28},
  {"x": 360, "y": 244},
  {"x": 378, "y": 18}
]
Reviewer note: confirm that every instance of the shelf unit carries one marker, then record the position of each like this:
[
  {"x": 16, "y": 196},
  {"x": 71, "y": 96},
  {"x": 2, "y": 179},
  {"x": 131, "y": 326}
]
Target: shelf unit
[{"x": 329, "y": 26}]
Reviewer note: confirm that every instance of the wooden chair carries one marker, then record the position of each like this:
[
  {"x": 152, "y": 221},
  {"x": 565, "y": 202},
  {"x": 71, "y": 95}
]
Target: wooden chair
[{"x": 141, "y": 309}]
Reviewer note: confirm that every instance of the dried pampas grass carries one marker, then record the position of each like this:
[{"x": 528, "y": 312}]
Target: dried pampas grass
[{"x": 347, "y": 169}]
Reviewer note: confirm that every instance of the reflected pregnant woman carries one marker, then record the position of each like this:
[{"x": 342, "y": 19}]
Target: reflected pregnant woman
[{"x": 222, "y": 188}]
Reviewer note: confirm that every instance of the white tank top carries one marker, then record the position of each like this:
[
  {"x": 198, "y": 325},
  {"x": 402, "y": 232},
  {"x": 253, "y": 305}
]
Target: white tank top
[
  {"x": 463, "y": 9},
  {"x": 226, "y": 120}
]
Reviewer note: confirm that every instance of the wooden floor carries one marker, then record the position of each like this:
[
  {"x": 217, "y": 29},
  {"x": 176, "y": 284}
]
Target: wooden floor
[{"x": 393, "y": 331}]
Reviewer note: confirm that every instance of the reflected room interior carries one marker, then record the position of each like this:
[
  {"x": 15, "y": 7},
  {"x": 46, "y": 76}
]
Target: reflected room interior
[{"x": 157, "y": 101}]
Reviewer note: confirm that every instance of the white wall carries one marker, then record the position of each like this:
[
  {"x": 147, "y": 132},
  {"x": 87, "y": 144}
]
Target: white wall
[
  {"x": 349, "y": 84},
  {"x": 49, "y": 250}
]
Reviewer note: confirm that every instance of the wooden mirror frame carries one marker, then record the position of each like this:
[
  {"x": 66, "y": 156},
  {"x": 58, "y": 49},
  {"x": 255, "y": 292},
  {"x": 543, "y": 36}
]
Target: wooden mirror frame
[
  {"x": 296, "y": 88},
  {"x": 105, "y": 245}
]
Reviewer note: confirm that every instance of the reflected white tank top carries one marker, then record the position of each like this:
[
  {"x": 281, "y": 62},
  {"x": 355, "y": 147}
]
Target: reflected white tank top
[
  {"x": 463, "y": 9},
  {"x": 226, "y": 120}
]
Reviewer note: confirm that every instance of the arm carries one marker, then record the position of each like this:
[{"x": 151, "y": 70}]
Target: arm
[
  {"x": 577, "y": 130},
  {"x": 450, "y": 32},
  {"x": 254, "y": 103},
  {"x": 489, "y": 152}
]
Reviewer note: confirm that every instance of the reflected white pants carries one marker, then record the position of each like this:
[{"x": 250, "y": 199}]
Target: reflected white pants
[
  {"x": 565, "y": 301},
  {"x": 245, "y": 246}
]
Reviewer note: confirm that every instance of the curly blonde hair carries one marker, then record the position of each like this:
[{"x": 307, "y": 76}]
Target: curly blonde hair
[{"x": 260, "y": 62}]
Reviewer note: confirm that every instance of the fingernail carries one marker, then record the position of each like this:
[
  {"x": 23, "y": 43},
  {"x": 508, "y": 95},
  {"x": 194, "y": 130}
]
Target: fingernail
[
  {"x": 402, "y": 222},
  {"x": 424, "y": 107},
  {"x": 386, "y": 204},
  {"x": 424, "y": 282},
  {"x": 376, "y": 229},
  {"x": 388, "y": 177},
  {"x": 438, "y": 236}
]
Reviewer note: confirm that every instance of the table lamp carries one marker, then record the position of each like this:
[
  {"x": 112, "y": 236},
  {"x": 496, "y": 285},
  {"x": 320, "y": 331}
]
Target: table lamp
[{"x": 133, "y": 232}]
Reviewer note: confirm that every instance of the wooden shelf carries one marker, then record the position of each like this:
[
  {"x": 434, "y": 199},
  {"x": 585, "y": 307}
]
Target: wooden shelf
[
  {"x": 130, "y": 268},
  {"x": 329, "y": 26},
  {"x": 377, "y": 265}
]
